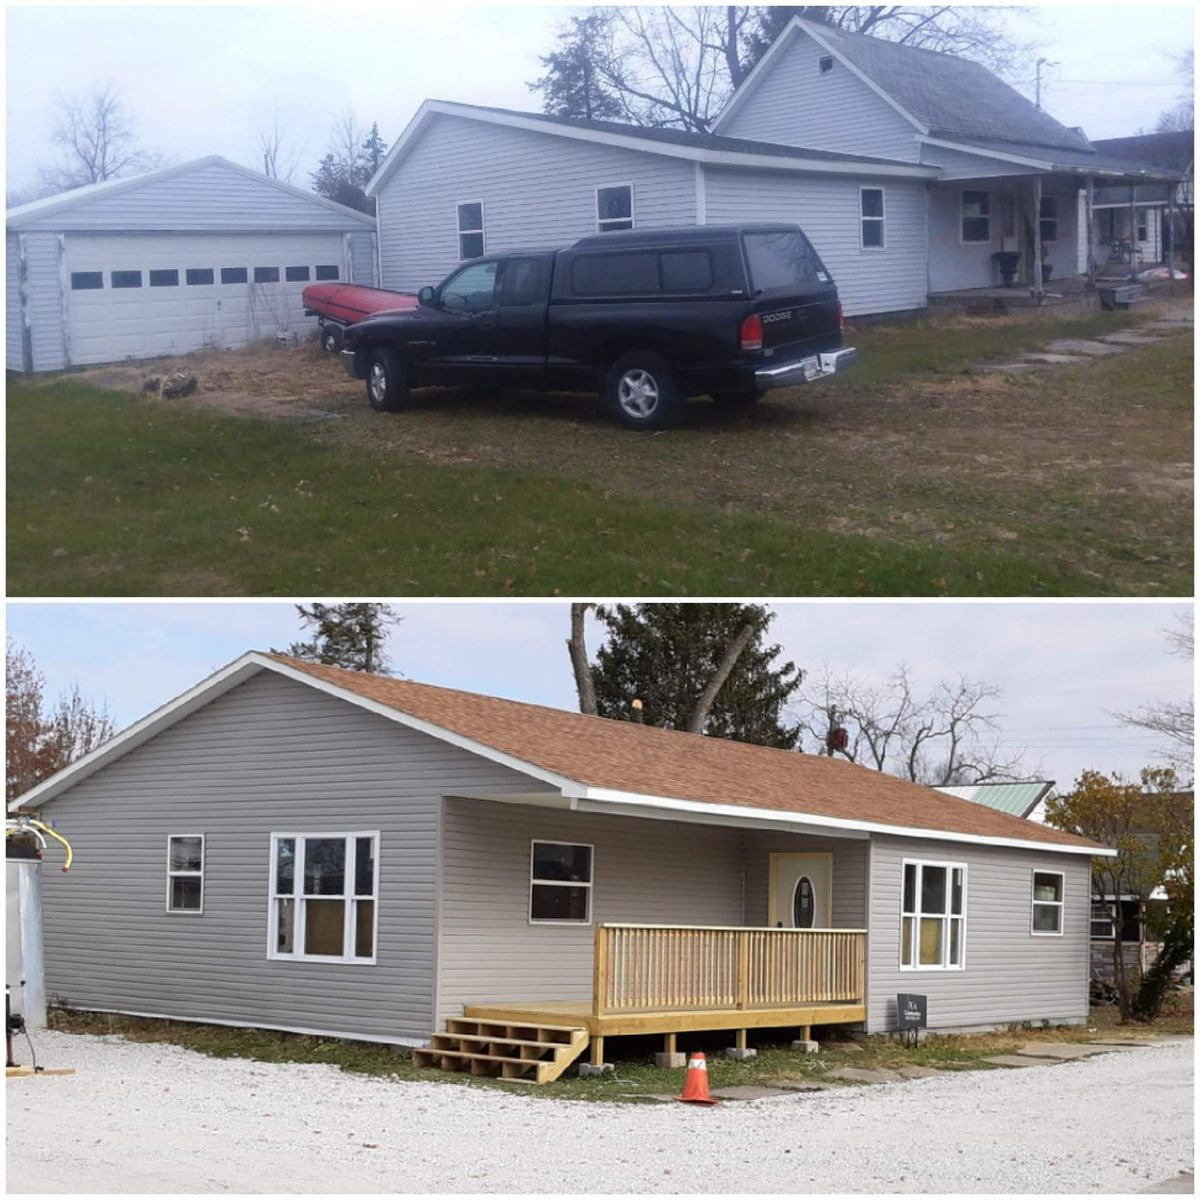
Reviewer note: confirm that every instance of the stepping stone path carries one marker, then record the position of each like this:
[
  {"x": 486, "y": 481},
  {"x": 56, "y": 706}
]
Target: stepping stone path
[
  {"x": 1061, "y": 1050},
  {"x": 1081, "y": 346},
  {"x": 917, "y": 1072},
  {"x": 865, "y": 1075},
  {"x": 1129, "y": 337},
  {"x": 1020, "y": 1060},
  {"x": 749, "y": 1092}
]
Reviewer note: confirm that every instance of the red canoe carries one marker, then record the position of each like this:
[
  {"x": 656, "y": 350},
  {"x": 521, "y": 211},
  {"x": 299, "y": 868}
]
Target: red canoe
[{"x": 347, "y": 303}]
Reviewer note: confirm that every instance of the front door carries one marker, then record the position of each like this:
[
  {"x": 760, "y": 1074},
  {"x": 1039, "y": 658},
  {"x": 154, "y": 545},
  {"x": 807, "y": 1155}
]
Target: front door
[{"x": 801, "y": 891}]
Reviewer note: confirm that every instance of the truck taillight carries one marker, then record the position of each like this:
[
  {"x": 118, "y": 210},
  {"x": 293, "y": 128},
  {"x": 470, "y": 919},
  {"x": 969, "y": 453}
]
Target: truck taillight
[
  {"x": 751, "y": 332},
  {"x": 841, "y": 316}
]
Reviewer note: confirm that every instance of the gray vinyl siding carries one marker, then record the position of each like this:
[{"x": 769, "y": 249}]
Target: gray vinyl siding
[
  {"x": 1009, "y": 975},
  {"x": 796, "y": 105},
  {"x": 849, "y": 908},
  {"x": 211, "y": 197},
  {"x": 955, "y": 164},
  {"x": 537, "y": 190},
  {"x": 269, "y": 756},
  {"x": 44, "y": 301},
  {"x": 362, "y": 258},
  {"x": 827, "y": 207},
  {"x": 14, "y": 352}
]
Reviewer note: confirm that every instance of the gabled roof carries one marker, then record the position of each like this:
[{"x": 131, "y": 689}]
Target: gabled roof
[
  {"x": 620, "y": 765},
  {"x": 1018, "y": 799},
  {"x": 1175, "y": 150},
  {"x": 78, "y": 197},
  {"x": 709, "y": 148}
]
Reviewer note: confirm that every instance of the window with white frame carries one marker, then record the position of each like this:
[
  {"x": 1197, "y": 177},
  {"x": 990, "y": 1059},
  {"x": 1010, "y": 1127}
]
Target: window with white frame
[
  {"x": 870, "y": 208},
  {"x": 1049, "y": 218},
  {"x": 470, "y": 230},
  {"x": 933, "y": 916},
  {"x": 560, "y": 883},
  {"x": 976, "y": 216},
  {"x": 1047, "y": 918},
  {"x": 324, "y": 888},
  {"x": 185, "y": 872},
  {"x": 614, "y": 207},
  {"x": 1102, "y": 921}
]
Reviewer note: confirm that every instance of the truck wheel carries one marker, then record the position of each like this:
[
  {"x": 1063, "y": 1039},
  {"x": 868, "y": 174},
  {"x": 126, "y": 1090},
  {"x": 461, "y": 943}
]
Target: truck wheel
[
  {"x": 640, "y": 391},
  {"x": 331, "y": 338},
  {"x": 387, "y": 388},
  {"x": 738, "y": 399}
]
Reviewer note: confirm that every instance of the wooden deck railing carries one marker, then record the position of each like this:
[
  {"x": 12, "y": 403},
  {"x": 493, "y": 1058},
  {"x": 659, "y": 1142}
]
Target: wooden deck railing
[{"x": 658, "y": 968}]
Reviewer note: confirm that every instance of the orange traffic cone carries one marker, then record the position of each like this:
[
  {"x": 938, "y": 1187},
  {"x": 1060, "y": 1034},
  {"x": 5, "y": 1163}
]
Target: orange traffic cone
[{"x": 695, "y": 1086}]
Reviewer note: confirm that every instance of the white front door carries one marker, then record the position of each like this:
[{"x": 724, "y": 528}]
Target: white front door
[{"x": 801, "y": 891}]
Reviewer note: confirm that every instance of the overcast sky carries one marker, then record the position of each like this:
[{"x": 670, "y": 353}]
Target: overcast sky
[
  {"x": 205, "y": 80},
  {"x": 1060, "y": 665}
]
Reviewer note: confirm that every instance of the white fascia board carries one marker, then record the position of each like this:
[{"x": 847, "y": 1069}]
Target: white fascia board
[
  {"x": 603, "y": 796},
  {"x": 715, "y": 158}
]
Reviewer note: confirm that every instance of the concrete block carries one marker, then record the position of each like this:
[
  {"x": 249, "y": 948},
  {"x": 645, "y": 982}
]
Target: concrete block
[
  {"x": 808, "y": 1047},
  {"x": 740, "y": 1055},
  {"x": 670, "y": 1060},
  {"x": 586, "y": 1069},
  {"x": 1020, "y": 1060},
  {"x": 1063, "y": 1050}
]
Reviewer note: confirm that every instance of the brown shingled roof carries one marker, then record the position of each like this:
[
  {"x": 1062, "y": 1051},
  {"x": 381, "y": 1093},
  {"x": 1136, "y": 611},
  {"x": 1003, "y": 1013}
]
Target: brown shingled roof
[{"x": 627, "y": 757}]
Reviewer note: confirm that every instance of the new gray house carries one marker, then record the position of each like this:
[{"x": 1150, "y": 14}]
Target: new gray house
[
  {"x": 206, "y": 253},
  {"x": 301, "y": 847},
  {"x": 910, "y": 171}
]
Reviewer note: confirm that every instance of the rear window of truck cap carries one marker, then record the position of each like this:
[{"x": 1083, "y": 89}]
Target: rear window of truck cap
[{"x": 781, "y": 258}]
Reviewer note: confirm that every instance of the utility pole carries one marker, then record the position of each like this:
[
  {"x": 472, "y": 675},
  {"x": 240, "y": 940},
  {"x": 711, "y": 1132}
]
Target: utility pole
[{"x": 1041, "y": 62}]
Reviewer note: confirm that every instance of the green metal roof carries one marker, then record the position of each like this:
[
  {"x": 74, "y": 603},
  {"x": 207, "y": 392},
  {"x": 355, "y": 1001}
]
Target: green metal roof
[{"x": 1019, "y": 799}]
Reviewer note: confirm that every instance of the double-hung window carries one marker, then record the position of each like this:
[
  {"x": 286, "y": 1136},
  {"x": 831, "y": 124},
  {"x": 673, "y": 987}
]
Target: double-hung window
[
  {"x": 324, "y": 888},
  {"x": 1047, "y": 917},
  {"x": 1049, "y": 218},
  {"x": 933, "y": 916},
  {"x": 560, "y": 883},
  {"x": 470, "y": 230},
  {"x": 870, "y": 205},
  {"x": 614, "y": 207},
  {"x": 976, "y": 216},
  {"x": 185, "y": 872}
]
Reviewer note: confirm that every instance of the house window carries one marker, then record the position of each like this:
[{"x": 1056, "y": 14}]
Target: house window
[
  {"x": 127, "y": 279},
  {"x": 198, "y": 276},
  {"x": 470, "y": 230},
  {"x": 323, "y": 897},
  {"x": 1143, "y": 230},
  {"x": 164, "y": 278},
  {"x": 825, "y": 64},
  {"x": 234, "y": 275},
  {"x": 86, "y": 281},
  {"x": 976, "y": 216},
  {"x": 870, "y": 207},
  {"x": 327, "y": 273},
  {"x": 614, "y": 207},
  {"x": 1102, "y": 922},
  {"x": 295, "y": 274},
  {"x": 1049, "y": 218},
  {"x": 185, "y": 872},
  {"x": 1047, "y": 904},
  {"x": 1104, "y": 927},
  {"x": 933, "y": 916},
  {"x": 560, "y": 883},
  {"x": 266, "y": 274}
]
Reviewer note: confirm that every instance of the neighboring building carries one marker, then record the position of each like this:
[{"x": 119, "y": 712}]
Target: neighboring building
[
  {"x": 910, "y": 171},
  {"x": 302, "y": 847},
  {"x": 1025, "y": 799},
  {"x": 207, "y": 253}
]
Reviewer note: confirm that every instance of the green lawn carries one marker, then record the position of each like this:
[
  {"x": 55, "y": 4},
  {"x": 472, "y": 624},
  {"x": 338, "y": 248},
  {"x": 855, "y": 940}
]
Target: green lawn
[{"x": 908, "y": 476}]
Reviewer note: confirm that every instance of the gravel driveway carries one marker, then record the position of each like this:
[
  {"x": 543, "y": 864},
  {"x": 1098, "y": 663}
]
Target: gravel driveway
[{"x": 156, "y": 1118}]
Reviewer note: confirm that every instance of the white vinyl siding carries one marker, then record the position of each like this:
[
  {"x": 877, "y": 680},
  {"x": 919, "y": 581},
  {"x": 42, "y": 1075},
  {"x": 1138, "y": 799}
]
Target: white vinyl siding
[
  {"x": 538, "y": 189},
  {"x": 14, "y": 333}
]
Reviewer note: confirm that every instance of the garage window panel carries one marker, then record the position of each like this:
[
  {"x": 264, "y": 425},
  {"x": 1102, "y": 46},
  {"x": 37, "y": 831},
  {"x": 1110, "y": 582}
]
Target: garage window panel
[
  {"x": 164, "y": 278},
  {"x": 126, "y": 279},
  {"x": 327, "y": 272},
  {"x": 266, "y": 274},
  {"x": 199, "y": 276},
  {"x": 296, "y": 274},
  {"x": 87, "y": 281},
  {"x": 234, "y": 275}
]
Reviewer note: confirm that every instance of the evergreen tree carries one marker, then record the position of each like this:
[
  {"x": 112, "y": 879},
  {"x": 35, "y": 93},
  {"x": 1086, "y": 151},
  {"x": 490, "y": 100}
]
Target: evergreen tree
[
  {"x": 374, "y": 152},
  {"x": 667, "y": 654},
  {"x": 346, "y": 635},
  {"x": 572, "y": 85}
]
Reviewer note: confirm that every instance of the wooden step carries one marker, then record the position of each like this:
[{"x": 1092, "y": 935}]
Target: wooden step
[{"x": 517, "y": 1052}]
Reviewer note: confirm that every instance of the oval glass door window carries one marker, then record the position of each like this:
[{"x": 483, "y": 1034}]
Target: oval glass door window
[{"x": 803, "y": 904}]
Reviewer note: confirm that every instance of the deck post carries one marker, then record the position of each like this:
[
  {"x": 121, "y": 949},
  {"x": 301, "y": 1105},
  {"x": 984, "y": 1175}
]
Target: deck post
[
  {"x": 1091, "y": 232},
  {"x": 670, "y": 1056},
  {"x": 743, "y": 969},
  {"x": 600, "y": 970},
  {"x": 1038, "y": 281}
]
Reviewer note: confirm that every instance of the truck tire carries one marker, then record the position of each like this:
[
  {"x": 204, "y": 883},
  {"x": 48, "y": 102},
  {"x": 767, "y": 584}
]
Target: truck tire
[
  {"x": 331, "y": 338},
  {"x": 387, "y": 386},
  {"x": 640, "y": 391}
]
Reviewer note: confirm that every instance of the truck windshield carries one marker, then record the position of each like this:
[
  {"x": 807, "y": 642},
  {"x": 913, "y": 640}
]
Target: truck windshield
[{"x": 782, "y": 258}]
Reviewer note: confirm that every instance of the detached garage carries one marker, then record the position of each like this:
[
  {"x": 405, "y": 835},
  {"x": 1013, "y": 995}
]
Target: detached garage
[{"x": 208, "y": 253}]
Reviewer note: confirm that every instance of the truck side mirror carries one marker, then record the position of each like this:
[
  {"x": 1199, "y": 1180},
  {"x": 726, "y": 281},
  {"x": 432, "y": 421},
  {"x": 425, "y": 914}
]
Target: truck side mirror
[{"x": 425, "y": 297}]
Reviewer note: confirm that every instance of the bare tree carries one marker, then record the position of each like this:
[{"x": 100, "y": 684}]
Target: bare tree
[
  {"x": 1173, "y": 720},
  {"x": 1182, "y": 116},
  {"x": 716, "y": 681},
  {"x": 948, "y": 736},
  {"x": 577, "y": 649},
  {"x": 277, "y": 157},
  {"x": 99, "y": 140}
]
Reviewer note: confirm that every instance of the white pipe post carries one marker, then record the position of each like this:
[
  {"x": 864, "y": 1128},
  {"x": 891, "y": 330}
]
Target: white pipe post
[
  {"x": 33, "y": 971},
  {"x": 1037, "y": 238},
  {"x": 1091, "y": 233}
]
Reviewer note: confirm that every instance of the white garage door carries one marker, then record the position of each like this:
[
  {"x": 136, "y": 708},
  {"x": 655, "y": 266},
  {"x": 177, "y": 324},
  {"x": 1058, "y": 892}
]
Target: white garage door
[{"x": 143, "y": 295}]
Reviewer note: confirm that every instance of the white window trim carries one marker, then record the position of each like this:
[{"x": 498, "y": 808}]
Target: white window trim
[
  {"x": 603, "y": 227},
  {"x": 1111, "y": 935},
  {"x": 172, "y": 874},
  {"x": 547, "y": 841},
  {"x": 1053, "y": 200},
  {"x": 347, "y": 897},
  {"x": 961, "y": 965},
  {"x": 962, "y": 217},
  {"x": 482, "y": 230},
  {"x": 882, "y": 219},
  {"x": 1059, "y": 904}
]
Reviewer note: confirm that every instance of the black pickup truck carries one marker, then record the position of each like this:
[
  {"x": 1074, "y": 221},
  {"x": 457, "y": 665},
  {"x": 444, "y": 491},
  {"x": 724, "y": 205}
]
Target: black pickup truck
[{"x": 645, "y": 317}]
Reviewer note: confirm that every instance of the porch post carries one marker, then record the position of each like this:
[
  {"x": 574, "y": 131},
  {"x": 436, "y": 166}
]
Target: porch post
[
  {"x": 1133, "y": 246},
  {"x": 600, "y": 971},
  {"x": 1037, "y": 238},
  {"x": 1091, "y": 233},
  {"x": 1170, "y": 233}
]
